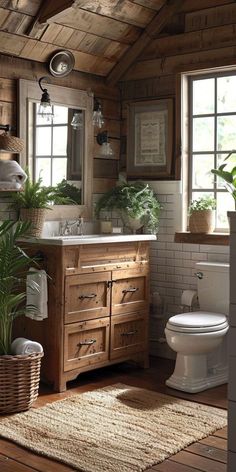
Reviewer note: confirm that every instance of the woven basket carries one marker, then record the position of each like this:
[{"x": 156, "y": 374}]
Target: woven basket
[
  {"x": 19, "y": 382},
  {"x": 201, "y": 221},
  {"x": 37, "y": 218},
  {"x": 11, "y": 143}
]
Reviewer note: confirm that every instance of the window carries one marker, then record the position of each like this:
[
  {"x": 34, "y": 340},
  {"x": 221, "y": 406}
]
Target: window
[
  {"x": 50, "y": 146},
  {"x": 212, "y": 135}
]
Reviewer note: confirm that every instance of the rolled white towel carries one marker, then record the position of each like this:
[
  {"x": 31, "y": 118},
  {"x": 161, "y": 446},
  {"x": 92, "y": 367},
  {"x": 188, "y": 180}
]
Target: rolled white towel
[
  {"x": 11, "y": 171},
  {"x": 25, "y": 346}
]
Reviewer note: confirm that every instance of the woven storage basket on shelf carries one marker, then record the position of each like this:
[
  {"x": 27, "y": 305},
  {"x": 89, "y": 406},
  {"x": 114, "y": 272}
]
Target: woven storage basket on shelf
[
  {"x": 11, "y": 143},
  {"x": 19, "y": 382},
  {"x": 201, "y": 221},
  {"x": 36, "y": 216}
]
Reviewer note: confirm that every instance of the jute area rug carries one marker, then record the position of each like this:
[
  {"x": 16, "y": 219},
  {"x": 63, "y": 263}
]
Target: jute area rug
[{"x": 114, "y": 429}]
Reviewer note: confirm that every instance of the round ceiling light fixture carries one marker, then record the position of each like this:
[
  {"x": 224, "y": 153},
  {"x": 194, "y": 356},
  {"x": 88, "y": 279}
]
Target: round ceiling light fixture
[{"x": 61, "y": 63}]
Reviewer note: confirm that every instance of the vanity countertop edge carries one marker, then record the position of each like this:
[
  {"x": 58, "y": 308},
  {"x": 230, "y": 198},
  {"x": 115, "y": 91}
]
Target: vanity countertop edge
[{"x": 87, "y": 239}]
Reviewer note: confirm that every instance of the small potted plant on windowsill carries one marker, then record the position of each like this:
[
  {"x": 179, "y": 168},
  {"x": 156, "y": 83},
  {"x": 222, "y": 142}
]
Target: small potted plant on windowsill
[
  {"x": 136, "y": 202},
  {"x": 201, "y": 215}
]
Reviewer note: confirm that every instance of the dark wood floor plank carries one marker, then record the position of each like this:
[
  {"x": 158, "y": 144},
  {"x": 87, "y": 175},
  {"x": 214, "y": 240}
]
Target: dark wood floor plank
[
  {"x": 25, "y": 456},
  {"x": 170, "y": 466},
  {"x": 215, "y": 441},
  {"x": 222, "y": 433},
  {"x": 208, "y": 451},
  {"x": 199, "y": 462},
  {"x": 9, "y": 465}
]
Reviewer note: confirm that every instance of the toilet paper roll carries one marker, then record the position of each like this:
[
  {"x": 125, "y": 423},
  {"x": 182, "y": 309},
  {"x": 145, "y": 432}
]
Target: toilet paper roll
[
  {"x": 189, "y": 297},
  {"x": 25, "y": 346}
]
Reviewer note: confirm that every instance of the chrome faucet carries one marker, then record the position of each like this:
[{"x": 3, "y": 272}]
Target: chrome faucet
[{"x": 66, "y": 228}]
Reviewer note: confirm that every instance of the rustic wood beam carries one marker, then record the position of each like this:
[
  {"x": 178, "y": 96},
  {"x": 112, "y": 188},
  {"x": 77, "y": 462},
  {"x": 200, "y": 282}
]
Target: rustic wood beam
[
  {"x": 47, "y": 10},
  {"x": 151, "y": 31}
]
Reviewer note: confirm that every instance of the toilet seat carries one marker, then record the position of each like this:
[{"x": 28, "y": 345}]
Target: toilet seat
[{"x": 197, "y": 322}]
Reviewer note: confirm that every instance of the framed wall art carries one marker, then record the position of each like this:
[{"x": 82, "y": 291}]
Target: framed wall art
[{"x": 150, "y": 139}]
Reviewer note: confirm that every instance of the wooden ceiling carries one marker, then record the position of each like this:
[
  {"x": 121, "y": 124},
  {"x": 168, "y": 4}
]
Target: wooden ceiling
[{"x": 105, "y": 36}]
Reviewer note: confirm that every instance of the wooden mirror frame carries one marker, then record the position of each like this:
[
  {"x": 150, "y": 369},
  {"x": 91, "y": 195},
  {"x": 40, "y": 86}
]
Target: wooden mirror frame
[{"x": 29, "y": 91}]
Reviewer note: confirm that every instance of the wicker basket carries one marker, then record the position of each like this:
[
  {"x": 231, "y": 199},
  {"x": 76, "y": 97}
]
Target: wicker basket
[
  {"x": 36, "y": 216},
  {"x": 201, "y": 221},
  {"x": 19, "y": 382},
  {"x": 11, "y": 143}
]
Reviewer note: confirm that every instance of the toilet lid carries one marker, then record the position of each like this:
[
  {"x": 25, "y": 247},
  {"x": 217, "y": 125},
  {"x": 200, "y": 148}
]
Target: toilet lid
[{"x": 198, "y": 321}]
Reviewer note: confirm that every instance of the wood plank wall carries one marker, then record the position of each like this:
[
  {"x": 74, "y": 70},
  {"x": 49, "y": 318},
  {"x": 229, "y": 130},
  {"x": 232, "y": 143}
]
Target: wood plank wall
[
  {"x": 12, "y": 69},
  {"x": 208, "y": 41}
]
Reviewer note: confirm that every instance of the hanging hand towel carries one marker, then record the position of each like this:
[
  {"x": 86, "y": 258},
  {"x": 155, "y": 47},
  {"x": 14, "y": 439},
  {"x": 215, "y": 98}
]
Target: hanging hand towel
[
  {"x": 11, "y": 171},
  {"x": 25, "y": 346},
  {"x": 37, "y": 294}
]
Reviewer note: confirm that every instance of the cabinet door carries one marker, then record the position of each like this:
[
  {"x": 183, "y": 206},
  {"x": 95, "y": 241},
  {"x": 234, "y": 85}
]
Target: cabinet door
[
  {"x": 129, "y": 290},
  {"x": 86, "y": 343},
  {"x": 87, "y": 296},
  {"x": 128, "y": 334}
]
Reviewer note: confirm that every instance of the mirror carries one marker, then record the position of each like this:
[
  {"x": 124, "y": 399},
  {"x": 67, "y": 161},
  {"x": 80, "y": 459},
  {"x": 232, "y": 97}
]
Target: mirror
[{"x": 58, "y": 148}]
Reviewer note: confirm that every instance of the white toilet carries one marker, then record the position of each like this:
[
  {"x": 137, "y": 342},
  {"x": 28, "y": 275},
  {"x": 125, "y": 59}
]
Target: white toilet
[{"x": 198, "y": 337}]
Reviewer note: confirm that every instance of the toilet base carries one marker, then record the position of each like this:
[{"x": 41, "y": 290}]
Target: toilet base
[{"x": 191, "y": 374}]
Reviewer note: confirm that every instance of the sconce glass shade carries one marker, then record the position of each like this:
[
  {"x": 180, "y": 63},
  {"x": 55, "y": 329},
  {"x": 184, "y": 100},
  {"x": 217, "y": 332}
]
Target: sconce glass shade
[
  {"x": 98, "y": 119},
  {"x": 77, "y": 121},
  {"x": 106, "y": 149},
  {"x": 45, "y": 108}
]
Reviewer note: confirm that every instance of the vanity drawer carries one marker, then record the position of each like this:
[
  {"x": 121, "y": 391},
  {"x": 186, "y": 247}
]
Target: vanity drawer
[
  {"x": 87, "y": 297},
  {"x": 86, "y": 343},
  {"x": 129, "y": 290},
  {"x": 128, "y": 334}
]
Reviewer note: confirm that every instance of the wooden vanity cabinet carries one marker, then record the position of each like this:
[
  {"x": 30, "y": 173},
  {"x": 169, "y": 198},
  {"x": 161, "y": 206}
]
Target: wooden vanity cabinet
[{"x": 97, "y": 311}]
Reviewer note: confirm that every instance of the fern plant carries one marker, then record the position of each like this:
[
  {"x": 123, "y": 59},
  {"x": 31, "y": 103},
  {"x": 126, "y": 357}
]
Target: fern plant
[
  {"x": 34, "y": 195},
  {"x": 14, "y": 264},
  {"x": 136, "y": 199}
]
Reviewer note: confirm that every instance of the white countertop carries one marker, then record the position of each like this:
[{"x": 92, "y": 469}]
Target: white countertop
[{"x": 92, "y": 239}]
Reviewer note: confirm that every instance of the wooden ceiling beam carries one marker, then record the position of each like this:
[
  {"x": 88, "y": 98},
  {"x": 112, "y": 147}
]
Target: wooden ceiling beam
[
  {"x": 151, "y": 31},
  {"x": 47, "y": 10}
]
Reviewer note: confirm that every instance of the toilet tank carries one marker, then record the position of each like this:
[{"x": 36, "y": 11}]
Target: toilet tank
[{"x": 213, "y": 286}]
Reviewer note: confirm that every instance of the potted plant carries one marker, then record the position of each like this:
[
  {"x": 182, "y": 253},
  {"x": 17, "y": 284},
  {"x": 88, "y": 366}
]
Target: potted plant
[
  {"x": 136, "y": 202},
  {"x": 33, "y": 201},
  {"x": 19, "y": 374},
  {"x": 227, "y": 172},
  {"x": 201, "y": 215}
]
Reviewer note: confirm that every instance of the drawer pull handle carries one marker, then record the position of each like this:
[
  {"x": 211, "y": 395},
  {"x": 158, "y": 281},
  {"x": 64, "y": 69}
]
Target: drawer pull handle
[
  {"x": 86, "y": 343},
  {"x": 130, "y": 290},
  {"x": 129, "y": 333},
  {"x": 82, "y": 297}
]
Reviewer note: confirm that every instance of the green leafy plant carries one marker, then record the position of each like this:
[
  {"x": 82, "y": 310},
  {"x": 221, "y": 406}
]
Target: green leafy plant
[
  {"x": 70, "y": 191},
  {"x": 227, "y": 172},
  {"x": 14, "y": 264},
  {"x": 202, "y": 203},
  {"x": 136, "y": 199},
  {"x": 34, "y": 195}
]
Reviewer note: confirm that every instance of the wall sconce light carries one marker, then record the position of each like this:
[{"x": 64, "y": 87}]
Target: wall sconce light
[
  {"x": 106, "y": 149},
  {"x": 10, "y": 143},
  {"x": 98, "y": 119},
  {"x": 45, "y": 107},
  {"x": 77, "y": 120}
]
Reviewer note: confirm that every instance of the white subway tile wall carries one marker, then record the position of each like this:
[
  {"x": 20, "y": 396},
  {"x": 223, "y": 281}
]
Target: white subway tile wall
[{"x": 5, "y": 212}]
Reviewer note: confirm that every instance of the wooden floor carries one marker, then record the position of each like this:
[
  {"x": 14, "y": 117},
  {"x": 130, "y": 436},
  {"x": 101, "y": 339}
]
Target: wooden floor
[{"x": 207, "y": 455}]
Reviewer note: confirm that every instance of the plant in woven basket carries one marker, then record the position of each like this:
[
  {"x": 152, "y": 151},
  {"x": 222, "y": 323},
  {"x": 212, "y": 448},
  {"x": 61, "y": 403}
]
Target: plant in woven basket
[
  {"x": 14, "y": 263},
  {"x": 201, "y": 215},
  {"x": 33, "y": 201}
]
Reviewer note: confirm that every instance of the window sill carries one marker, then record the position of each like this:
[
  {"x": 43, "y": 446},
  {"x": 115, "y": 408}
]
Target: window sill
[{"x": 219, "y": 239}]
